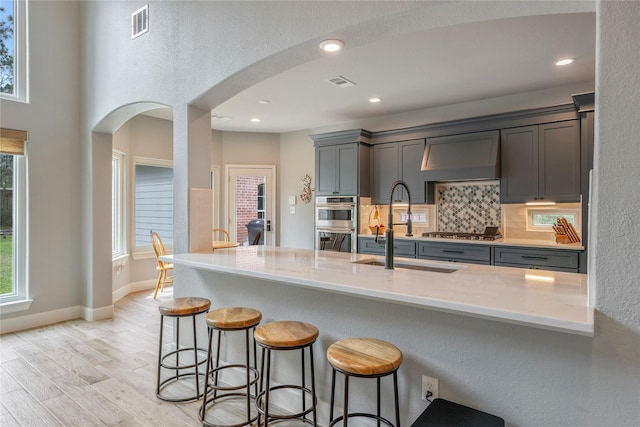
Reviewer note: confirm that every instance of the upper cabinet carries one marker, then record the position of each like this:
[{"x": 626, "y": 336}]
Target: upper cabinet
[
  {"x": 393, "y": 161},
  {"x": 541, "y": 163},
  {"x": 342, "y": 167}
]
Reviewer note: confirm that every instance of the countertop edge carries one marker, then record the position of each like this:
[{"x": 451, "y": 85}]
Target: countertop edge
[{"x": 478, "y": 311}]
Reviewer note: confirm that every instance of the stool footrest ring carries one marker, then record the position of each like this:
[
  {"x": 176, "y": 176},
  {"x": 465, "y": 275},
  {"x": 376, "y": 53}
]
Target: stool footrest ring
[
  {"x": 213, "y": 372},
  {"x": 177, "y": 352},
  {"x": 361, "y": 414},
  {"x": 299, "y": 415}
]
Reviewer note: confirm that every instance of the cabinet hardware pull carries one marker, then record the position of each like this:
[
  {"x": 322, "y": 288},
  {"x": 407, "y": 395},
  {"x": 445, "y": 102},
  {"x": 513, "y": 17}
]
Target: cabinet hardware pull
[
  {"x": 543, "y": 258},
  {"x": 446, "y": 251}
]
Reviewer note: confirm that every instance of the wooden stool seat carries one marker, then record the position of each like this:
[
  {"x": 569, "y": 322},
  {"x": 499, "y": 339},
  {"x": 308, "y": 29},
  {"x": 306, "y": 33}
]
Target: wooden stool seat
[
  {"x": 364, "y": 356},
  {"x": 230, "y": 318},
  {"x": 286, "y": 334},
  {"x": 184, "y": 306}
]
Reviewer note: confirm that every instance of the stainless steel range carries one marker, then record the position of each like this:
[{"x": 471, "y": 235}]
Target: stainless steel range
[{"x": 490, "y": 233}]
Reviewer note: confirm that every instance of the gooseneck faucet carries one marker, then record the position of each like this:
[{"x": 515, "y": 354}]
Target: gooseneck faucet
[{"x": 388, "y": 248}]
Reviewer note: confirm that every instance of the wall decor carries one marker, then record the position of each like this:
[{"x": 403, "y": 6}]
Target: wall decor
[{"x": 305, "y": 196}]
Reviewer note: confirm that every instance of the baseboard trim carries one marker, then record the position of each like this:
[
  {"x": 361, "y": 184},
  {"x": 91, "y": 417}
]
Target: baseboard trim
[
  {"x": 143, "y": 285},
  {"x": 37, "y": 320}
]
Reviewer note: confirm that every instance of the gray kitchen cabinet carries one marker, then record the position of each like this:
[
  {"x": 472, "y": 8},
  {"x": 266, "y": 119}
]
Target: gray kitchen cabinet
[
  {"x": 401, "y": 248},
  {"x": 394, "y": 161},
  {"x": 342, "y": 163},
  {"x": 455, "y": 252},
  {"x": 537, "y": 259},
  {"x": 336, "y": 170},
  {"x": 541, "y": 163}
]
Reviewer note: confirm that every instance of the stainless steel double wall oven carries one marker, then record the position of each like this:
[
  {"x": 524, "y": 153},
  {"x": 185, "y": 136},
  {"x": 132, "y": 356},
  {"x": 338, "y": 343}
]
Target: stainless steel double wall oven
[{"x": 337, "y": 223}]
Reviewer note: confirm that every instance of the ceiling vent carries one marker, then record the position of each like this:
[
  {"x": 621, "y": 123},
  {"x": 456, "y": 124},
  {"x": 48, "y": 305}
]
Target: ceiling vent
[
  {"x": 340, "y": 82},
  {"x": 220, "y": 117},
  {"x": 140, "y": 22}
]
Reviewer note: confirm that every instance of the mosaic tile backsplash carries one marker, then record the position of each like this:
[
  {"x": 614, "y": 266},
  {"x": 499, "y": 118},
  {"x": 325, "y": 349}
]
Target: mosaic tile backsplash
[{"x": 468, "y": 207}]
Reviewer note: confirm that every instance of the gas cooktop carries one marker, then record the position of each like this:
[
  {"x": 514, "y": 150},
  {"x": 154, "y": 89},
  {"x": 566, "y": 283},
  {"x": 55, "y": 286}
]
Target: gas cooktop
[{"x": 490, "y": 233}]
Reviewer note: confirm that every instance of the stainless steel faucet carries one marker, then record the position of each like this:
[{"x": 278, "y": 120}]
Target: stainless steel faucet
[{"x": 388, "y": 247}]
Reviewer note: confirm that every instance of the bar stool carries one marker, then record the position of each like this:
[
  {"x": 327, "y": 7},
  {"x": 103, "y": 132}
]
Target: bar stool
[
  {"x": 285, "y": 335},
  {"x": 230, "y": 319},
  {"x": 179, "y": 308},
  {"x": 363, "y": 358}
]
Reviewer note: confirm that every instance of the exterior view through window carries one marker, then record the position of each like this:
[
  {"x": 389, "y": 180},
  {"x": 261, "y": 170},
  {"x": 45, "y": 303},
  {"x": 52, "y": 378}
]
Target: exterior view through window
[
  {"x": 7, "y": 47},
  {"x": 6, "y": 224},
  {"x": 154, "y": 204}
]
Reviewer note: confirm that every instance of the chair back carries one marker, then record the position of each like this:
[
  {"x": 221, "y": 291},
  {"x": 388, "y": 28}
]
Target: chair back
[
  {"x": 220, "y": 234},
  {"x": 158, "y": 248}
]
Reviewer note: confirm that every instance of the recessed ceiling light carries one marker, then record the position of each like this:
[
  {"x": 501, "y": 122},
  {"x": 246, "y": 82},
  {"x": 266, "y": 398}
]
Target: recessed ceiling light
[
  {"x": 264, "y": 101},
  {"x": 331, "y": 45},
  {"x": 375, "y": 99},
  {"x": 255, "y": 120},
  {"x": 565, "y": 61}
]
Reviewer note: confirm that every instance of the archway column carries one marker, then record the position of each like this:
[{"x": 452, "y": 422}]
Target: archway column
[{"x": 191, "y": 170}]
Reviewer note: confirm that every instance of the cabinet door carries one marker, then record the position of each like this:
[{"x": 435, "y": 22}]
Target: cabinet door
[
  {"x": 519, "y": 164},
  {"x": 410, "y": 153},
  {"x": 384, "y": 171},
  {"x": 347, "y": 169},
  {"x": 326, "y": 166},
  {"x": 559, "y": 165}
]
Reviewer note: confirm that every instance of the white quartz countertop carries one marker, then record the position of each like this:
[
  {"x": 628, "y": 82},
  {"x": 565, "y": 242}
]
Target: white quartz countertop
[
  {"x": 505, "y": 241},
  {"x": 542, "y": 299}
]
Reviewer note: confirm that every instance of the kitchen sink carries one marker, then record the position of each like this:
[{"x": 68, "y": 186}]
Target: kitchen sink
[{"x": 407, "y": 266}]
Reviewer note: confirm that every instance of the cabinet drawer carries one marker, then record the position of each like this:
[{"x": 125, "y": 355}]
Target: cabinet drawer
[
  {"x": 457, "y": 252},
  {"x": 536, "y": 258},
  {"x": 401, "y": 248},
  {"x": 466, "y": 261},
  {"x": 536, "y": 267}
]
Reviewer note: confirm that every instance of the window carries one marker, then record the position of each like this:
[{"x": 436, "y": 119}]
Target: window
[
  {"x": 13, "y": 50},
  {"x": 261, "y": 210},
  {"x": 154, "y": 201},
  {"x": 13, "y": 221},
  {"x": 544, "y": 219},
  {"x": 118, "y": 241}
]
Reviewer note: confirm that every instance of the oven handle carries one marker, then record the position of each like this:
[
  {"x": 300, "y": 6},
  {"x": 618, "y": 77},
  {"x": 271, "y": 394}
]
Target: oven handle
[
  {"x": 335, "y": 230},
  {"x": 336, "y": 207}
]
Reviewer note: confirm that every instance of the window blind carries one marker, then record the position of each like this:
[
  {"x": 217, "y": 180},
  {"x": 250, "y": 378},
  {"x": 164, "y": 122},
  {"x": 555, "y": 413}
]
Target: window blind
[{"x": 12, "y": 141}]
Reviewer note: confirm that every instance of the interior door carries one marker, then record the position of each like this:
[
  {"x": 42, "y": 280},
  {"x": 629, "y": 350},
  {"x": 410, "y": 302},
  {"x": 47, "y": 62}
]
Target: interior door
[{"x": 251, "y": 204}]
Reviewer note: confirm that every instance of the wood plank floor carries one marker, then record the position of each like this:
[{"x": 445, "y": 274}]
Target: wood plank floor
[{"x": 80, "y": 373}]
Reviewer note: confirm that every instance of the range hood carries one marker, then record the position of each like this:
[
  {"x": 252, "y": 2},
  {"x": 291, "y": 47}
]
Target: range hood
[{"x": 471, "y": 156}]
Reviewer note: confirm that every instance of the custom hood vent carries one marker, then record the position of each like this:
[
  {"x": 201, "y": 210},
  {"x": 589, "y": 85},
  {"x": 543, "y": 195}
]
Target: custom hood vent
[{"x": 470, "y": 156}]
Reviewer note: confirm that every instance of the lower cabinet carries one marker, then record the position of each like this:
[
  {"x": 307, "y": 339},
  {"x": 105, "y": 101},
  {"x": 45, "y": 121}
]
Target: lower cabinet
[
  {"x": 504, "y": 256},
  {"x": 455, "y": 252},
  {"x": 401, "y": 248},
  {"x": 537, "y": 259}
]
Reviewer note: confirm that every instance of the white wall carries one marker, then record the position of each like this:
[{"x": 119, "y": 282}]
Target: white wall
[
  {"x": 52, "y": 119},
  {"x": 297, "y": 160}
]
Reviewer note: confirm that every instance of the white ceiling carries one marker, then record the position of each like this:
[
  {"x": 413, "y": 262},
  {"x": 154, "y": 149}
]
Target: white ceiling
[{"x": 420, "y": 70}]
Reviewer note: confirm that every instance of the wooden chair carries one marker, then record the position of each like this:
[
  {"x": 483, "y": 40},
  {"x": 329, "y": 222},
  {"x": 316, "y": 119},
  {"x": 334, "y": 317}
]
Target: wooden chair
[
  {"x": 163, "y": 267},
  {"x": 220, "y": 234},
  {"x": 256, "y": 238}
]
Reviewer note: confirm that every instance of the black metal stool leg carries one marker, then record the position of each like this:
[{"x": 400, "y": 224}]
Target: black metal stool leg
[
  {"x": 313, "y": 387},
  {"x": 206, "y": 377},
  {"x": 266, "y": 390},
  {"x": 215, "y": 372},
  {"x": 395, "y": 392},
  {"x": 159, "y": 355},
  {"x": 304, "y": 404},
  {"x": 345, "y": 413},
  {"x": 195, "y": 357},
  {"x": 177, "y": 346},
  {"x": 378, "y": 399},
  {"x": 248, "y": 362},
  {"x": 333, "y": 392}
]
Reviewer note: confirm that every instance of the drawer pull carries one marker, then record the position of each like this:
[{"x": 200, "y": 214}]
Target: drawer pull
[
  {"x": 452, "y": 252},
  {"x": 541, "y": 258}
]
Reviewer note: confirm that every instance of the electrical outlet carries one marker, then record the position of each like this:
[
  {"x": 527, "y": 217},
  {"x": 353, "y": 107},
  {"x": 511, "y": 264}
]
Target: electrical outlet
[{"x": 429, "y": 384}]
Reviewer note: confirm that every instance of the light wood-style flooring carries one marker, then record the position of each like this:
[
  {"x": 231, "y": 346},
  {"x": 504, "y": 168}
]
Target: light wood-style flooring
[{"x": 80, "y": 373}]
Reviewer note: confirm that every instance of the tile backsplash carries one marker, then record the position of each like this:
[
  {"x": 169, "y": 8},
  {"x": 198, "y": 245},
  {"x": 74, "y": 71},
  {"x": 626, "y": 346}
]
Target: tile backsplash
[{"x": 468, "y": 207}]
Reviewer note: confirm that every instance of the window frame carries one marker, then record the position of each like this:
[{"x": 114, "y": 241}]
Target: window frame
[
  {"x": 119, "y": 205},
  {"x": 20, "y": 54},
  {"x": 556, "y": 211},
  {"x": 19, "y": 299},
  {"x": 142, "y": 252}
]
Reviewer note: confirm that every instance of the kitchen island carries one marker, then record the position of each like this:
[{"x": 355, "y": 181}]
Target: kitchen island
[
  {"x": 542, "y": 299},
  {"x": 481, "y": 330}
]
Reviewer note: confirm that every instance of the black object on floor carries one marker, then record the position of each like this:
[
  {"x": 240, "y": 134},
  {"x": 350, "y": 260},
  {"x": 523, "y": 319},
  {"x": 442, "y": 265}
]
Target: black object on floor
[{"x": 442, "y": 413}]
